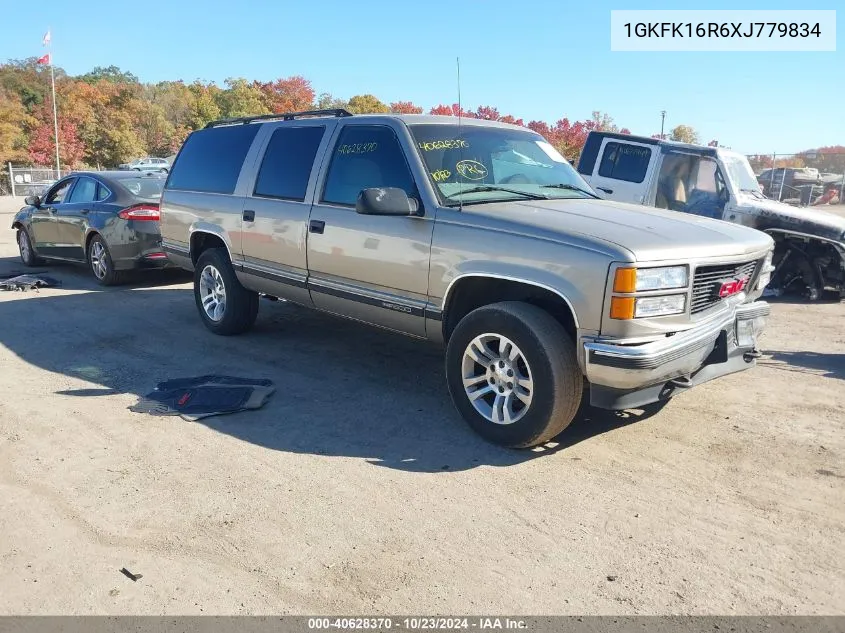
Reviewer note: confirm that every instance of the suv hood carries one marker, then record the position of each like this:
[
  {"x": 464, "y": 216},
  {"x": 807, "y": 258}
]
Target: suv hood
[
  {"x": 810, "y": 221},
  {"x": 649, "y": 234}
]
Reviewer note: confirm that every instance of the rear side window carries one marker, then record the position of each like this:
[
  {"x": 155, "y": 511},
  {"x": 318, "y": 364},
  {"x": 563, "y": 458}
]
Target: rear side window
[
  {"x": 587, "y": 162},
  {"x": 287, "y": 162},
  {"x": 211, "y": 160},
  {"x": 366, "y": 156},
  {"x": 623, "y": 161}
]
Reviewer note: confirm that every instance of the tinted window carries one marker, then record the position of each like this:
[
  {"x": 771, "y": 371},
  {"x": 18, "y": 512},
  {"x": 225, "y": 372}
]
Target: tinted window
[
  {"x": 84, "y": 191},
  {"x": 143, "y": 186},
  {"x": 102, "y": 192},
  {"x": 287, "y": 162},
  {"x": 211, "y": 159},
  {"x": 366, "y": 156},
  {"x": 624, "y": 161},
  {"x": 587, "y": 162},
  {"x": 57, "y": 195}
]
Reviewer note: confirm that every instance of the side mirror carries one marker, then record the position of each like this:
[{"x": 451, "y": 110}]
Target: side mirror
[
  {"x": 386, "y": 201},
  {"x": 33, "y": 201}
]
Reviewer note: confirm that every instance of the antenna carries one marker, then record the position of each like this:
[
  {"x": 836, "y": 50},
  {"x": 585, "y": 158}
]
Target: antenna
[{"x": 460, "y": 145}]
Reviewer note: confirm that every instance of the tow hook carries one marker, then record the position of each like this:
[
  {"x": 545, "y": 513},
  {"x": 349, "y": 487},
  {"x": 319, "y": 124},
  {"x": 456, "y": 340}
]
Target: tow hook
[
  {"x": 682, "y": 382},
  {"x": 752, "y": 355}
]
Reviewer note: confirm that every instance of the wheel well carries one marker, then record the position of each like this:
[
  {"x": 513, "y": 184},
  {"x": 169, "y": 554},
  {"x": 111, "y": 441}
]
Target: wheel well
[
  {"x": 470, "y": 293},
  {"x": 17, "y": 225},
  {"x": 88, "y": 239},
  {"x": 201, "y": 242}
]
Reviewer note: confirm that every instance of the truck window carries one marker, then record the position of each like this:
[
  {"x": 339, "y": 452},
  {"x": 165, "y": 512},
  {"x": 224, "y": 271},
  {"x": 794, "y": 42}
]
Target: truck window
[
  {"x": 287, "y": 162},
  {"x": 691, "y": 184},
  {"x": 623, "y": 161},
  {"x": 366, "y": 156},
  {"x": 211, "y": 159}
]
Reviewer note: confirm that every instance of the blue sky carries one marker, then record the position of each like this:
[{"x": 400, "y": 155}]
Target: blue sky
[{"x": 536, "y": 59}]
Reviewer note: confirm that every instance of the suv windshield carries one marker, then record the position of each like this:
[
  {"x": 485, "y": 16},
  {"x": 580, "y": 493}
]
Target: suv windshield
[
  {"x": 473, "y": 164},
  {"x": 739, "y": 172}
]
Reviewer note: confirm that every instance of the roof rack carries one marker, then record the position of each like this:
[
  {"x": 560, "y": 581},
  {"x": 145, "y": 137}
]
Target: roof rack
[{"x": 284, "y": 116}]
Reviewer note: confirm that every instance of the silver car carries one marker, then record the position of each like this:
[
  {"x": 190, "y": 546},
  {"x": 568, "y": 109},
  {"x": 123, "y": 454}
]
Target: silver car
[
  {"x": 159, "y": 165},
  {"x": 478, "y": 236}
]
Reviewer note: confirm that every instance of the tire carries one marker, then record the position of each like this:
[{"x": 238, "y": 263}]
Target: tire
[
  {"x": 28, "y": 256},
  {"x": 545, "y": 355},
  {"x": 213, "y": 273},
  {"x": 162, "y": 171},
  {"x": 100, "y": 263}
]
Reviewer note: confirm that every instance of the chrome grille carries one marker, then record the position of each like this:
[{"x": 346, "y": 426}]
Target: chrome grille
[{"x": 708, "y": 281}]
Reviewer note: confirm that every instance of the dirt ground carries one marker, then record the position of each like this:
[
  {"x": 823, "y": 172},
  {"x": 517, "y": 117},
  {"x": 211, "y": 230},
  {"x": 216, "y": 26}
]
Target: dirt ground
[{"x": 359, "y": 490}]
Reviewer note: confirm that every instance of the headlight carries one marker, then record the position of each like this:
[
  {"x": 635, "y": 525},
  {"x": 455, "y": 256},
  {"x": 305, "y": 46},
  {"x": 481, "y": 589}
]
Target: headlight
[
  {"x": 765, "y": 272},
  {"x": 639, "y": 279},
  {"x": 643, "y": 307}
]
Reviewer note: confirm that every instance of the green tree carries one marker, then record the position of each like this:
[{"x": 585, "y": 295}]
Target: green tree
[
  {"x": 241, "y": 98},
  {"x": 363, "y": 104},
  {"x": 204, "y": 106},
  {"x": 109, "y": 73},
  {"x": 328, "y": 102},
  {"x": 684, "y": 134}
]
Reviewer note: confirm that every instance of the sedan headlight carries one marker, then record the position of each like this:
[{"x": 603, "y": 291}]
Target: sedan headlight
[{"x": 639, "y": 279}]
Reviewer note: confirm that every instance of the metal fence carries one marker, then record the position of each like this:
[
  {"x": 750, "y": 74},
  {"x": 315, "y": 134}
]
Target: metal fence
[
  {"x": 27, "y": 181},
  {"x": 802, "y": 179}
]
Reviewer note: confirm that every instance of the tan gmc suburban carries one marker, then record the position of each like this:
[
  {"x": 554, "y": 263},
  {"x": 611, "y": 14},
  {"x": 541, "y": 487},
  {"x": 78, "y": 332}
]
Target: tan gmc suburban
[{"x": 474, "y": 234}]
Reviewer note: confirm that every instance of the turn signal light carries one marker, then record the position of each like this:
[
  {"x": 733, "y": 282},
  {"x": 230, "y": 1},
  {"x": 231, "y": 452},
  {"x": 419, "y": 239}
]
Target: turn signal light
[
  {"x": 622, "y": 307},
  {"x": 625, "y": 280}
]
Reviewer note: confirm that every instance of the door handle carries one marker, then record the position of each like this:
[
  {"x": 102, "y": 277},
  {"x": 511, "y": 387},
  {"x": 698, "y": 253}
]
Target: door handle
[
  {"x": 85, "y": 211},
  {"x": 317, "y": 226},
  {"x": 51, "y": 210},
  {"x": 605, "y": 190},
  {"x": 249, "y": 216}
]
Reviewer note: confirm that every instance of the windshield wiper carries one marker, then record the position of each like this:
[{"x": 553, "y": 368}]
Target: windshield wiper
[
  {"x": 562, "y": 185},
  {"x": 485, "y": 188}
]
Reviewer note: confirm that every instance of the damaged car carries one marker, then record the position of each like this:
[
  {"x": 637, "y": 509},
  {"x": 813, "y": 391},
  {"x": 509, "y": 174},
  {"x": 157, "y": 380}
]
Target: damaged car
[{"x": 715, "y": 182}]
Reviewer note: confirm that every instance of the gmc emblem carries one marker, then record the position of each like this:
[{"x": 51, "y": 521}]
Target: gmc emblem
[{"x": 732, "y": 287}]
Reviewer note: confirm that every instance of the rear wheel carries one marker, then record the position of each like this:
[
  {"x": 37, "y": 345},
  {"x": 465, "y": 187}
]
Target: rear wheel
[
  {"x": 513, "y": 374},
  {"x": 101, "y": 264},
  {"x": 28, "y": 256},
  {"x": 225, "y": 306}
]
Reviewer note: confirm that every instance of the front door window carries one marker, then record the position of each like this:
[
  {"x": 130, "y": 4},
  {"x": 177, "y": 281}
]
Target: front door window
[{"x": 692, "y": 184}]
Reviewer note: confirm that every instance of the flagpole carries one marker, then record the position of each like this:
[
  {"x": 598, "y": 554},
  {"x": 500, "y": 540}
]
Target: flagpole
[{"x": 55, "y": 111}]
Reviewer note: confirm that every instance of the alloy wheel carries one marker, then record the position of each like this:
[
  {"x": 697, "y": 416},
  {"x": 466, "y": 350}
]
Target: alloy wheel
[
  {"x": 497, "y": 378},
  {"x": 212, "y": 293},
  {"x": 99, "y": 259}
]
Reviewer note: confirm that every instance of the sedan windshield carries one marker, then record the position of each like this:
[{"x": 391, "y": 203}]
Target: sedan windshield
[
  {"x": 143, "y": 187},
  {"x": 474, "y": 164}
]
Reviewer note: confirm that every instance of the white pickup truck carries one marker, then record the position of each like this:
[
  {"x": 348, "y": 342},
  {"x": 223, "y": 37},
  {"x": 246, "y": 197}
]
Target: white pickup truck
[{"x": 718, "y": 183}]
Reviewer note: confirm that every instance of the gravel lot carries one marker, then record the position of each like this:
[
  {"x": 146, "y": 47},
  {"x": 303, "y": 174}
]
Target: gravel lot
[{"x": 359, "y": 490}]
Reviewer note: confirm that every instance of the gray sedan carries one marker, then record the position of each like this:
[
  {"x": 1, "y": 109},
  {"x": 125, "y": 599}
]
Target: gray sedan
[{"x": 108, "y": 219}]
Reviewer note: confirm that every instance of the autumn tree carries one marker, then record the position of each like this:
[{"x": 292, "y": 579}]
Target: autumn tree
[
  {"x": 367, "y": 103},
  {"x": 42, "y": 148},
  {"x": 684, "y": 134},
  {"x": 293, "y": 94},
  {"x": 405, "y": 107},
  {"x": 452, "y": 110},
  {"x": 15, "y": 122}
]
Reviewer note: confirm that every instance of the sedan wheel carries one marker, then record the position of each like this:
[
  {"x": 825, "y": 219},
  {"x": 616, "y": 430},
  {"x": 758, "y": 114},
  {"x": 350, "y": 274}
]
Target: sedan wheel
[
  {"x": 212, "y": 293},
  {"x": 25, "y": 247},
  {"x": 101, "y": 263}
]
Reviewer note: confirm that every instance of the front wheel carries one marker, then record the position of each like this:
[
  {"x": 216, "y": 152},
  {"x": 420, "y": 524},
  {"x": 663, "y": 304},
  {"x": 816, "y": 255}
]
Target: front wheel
[
  {"x": 225, "y": 306},
  {"x": 513, "y": 374},
  {"x": 28, "y": 256}
]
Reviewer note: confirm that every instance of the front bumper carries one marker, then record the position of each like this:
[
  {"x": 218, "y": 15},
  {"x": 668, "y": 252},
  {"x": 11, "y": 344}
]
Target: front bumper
[{"x": 627, "y": 376}]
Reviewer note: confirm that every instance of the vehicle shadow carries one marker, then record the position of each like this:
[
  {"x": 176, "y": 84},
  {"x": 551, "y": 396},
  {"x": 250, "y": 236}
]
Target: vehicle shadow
[
  {"x": 831, "y": 365},
  {"x": 342, "y": 388},
  {"x": 72, "y": 276}
]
